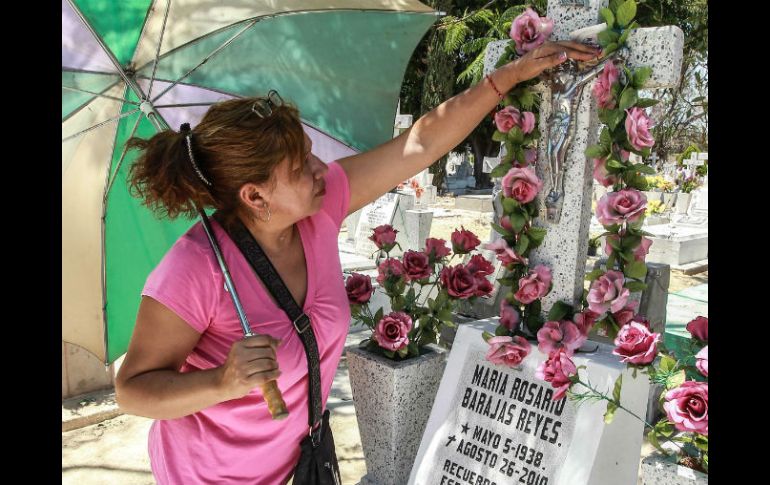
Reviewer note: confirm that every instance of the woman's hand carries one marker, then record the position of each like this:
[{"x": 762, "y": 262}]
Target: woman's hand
[
  {"x": 551, "y": 54},
  {"x": 250, "y": 363}
]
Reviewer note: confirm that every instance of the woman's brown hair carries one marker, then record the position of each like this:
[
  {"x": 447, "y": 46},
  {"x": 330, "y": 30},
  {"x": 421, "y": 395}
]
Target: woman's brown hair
[{"x": 232, "y": 146}]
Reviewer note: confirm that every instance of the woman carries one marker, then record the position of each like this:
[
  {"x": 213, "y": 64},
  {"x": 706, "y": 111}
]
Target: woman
[{"x": 188, "y": 365}]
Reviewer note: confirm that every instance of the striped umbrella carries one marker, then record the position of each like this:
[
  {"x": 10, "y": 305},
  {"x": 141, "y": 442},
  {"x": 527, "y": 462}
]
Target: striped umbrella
[{"x": 133, "y": 67}]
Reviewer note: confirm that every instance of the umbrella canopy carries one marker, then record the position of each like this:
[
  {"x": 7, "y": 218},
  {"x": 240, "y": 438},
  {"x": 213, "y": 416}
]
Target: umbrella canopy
[{"x": 133, "y": 67}]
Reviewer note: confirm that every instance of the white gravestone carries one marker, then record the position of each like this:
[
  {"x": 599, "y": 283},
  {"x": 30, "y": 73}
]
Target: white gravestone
[
  {"x": 494, "y": 425},
  {"x": 379, "y": 212},
  {"x": 566, "y": 242}
]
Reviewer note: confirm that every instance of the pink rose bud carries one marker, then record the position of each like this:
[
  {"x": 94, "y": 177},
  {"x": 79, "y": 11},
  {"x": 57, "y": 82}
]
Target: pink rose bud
[
  {"x": 602, "y": 89},
  {"x": 563, "y": 335},
  {"x": 530, "y": 156},
  {"x": 478, "y": 265},
  {"x": 636, "y": 344},
  {"x": 384, "y": 237},
  {"x": 638, "y": 129},
  {"x": 391, "y": 331},
  {"x": 416, "y": 265},
  {"x": 527, "y": 122},
  {"x": 509, "y": 351},
  {"x": 627, "y": 205},
  {"x": 535, "y": 285},
  {"x": 509, "y": 316},
  {"x": 436, "y": 248},
  {"x": 522, "y": 184},
  {"x": 607, "y": 293},
  {"x": 390, "y": 270},
  {"x": 702, "y": 361},
  {"x": 699, "y": 328},
  {"x": 504, "y": 253},
  {"x": 359, "y": 288},
  {"x": 458, "y": 281},
  {"x": 557, "y": 370},
  {"x": 529, "y": 30},
  {"x": 601, "y": 174},
  {"x": 464, "y": 241},
  {"x": 687, "y": 406}
]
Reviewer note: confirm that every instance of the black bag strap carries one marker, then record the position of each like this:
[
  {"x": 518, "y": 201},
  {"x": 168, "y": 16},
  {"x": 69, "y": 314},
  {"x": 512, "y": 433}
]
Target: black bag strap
[{"x": 275, "y": 285}]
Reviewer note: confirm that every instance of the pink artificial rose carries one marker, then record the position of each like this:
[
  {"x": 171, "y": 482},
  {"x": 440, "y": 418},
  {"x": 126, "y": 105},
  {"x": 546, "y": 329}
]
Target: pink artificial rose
[
  {"x": 359, "y": 288},
  {"x": 687, "y": 406},
  {"x": 464, "y": 241},
  {"x": 384, "y": 237},
  {"x": 702, "y": 361},
  {"x": 506, "y": 350},
  {"x": 638, "y": 129},
  {"x": 603, "y": 87},
  {"x": 416, "y": 265},
  {"x": 527, "y": 122},
  {"x": 478, "y": 265},
  {"x": 563, "y": 335},
  {"x": 436, "y": 248},
  {"x": 636, "y": 344},
  {"x": 392, "y": 330},
  {"x": 522, "y": 184},
  {"x": 535, "y": 285},
  {"x": 699, "y": 328},
  {"x": 483, "y": 286},
  {"x": 557, "y": 370},
  {"x": 390, "y": 268},
  {"x": 601, "y": 174},
  {"x": 509, "y": 316},
  {"x": 507, "y": 118},
  {"x": 529, "y": 30},
  {"x": 458, "y": 281},
  {"x": 607, "y": 293},
  {"x": 504, "y": 253},
  {"x": 626, "y": 314},
  {"x": 505, "y": 221},
  {"x": 621, "y": 206},
  {"x": 585, "y": 321}
]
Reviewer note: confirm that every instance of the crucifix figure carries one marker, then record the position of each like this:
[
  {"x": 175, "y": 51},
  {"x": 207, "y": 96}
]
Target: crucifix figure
[{"x": 567, "y": 82}]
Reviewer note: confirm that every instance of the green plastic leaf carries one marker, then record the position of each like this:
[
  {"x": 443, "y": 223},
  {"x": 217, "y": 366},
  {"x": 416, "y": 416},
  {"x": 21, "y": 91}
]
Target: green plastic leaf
[
  {"x": 642, "y": 168},
  {"x": 527, "y": 99},
  {"x": 608, "y": 17},
  {"x": 500, "y": 229},
  {"x": 596, "y": 151},
  {"x": 614, "y": 4},
  {"x": 636, "y": 269},
  {"x": 667, "y": 363},
  {"x": 641, "y": 75},
  {"x": 605, "y": 139},
  {"x": 390, "y": 354},
  {"x": 445, "y": 315},
  {"x": 646, "y": 102},
  {"x": 607, "y": 37},
  {"x": 486, "y": 335},
  {"x": 501, "y": 331},
  {"x": 499, "y": 136},
  {"x": 398, "y": 303},
  {"x": 616, "y": 389},
  {"x": 676, "y": 379},
  {"x": 610, "y": 48},
  {"x": 628, "y": 98},
  {"x": 559, "y": 310},
  {"x": 517, "y": 220},
  {"x": 634, "y": 286},
  {"x": 594, "y": 275},
  {"x": 522, "y": 244},
  {"x": 516, "y": 135},
  {"x": 609, "y": 415},
  {"x": 378, "y": 315},
  {"x": 510, "y": 205},
  {"x": 626, "y": 13},
  {"x": 615, "y": 164},
  {"x": 630, "y": 241},
  {"x": 500, "y": 170},
  {"x": 536, "y": 235},
  {"x": 614, "y": 118}
]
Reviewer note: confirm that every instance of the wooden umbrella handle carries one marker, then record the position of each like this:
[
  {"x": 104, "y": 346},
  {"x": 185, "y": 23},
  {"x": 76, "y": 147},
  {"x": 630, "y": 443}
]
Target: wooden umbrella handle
[{"x": 274, "y": 400}]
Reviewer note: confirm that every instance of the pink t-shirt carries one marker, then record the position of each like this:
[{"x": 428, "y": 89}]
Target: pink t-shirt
[{"x": 237, "y": 442}]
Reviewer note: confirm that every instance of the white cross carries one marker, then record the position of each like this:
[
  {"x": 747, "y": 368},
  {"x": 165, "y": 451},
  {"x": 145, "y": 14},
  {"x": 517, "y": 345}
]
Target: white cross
[{"x": 566, "y": 244}]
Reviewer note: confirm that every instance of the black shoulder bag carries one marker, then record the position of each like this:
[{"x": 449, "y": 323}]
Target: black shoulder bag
[{"x": 317, "y": 463}]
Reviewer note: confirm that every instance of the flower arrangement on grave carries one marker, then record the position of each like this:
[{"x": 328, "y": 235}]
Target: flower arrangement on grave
[
  {"x": 621, "y": 211},
  {"x": 416, "y": 319},
  {"x": 686, "y": 181},
  {"x": 655, "y": 207},
  {"x": 655, "y": 182}
]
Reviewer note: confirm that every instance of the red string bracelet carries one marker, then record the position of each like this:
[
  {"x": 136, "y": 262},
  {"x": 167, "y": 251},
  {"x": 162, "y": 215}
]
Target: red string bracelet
[{"x": 489, "y": 78}]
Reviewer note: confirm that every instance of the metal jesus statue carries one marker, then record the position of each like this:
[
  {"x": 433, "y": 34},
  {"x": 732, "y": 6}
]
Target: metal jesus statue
[{"x": 567, "y": 82}]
